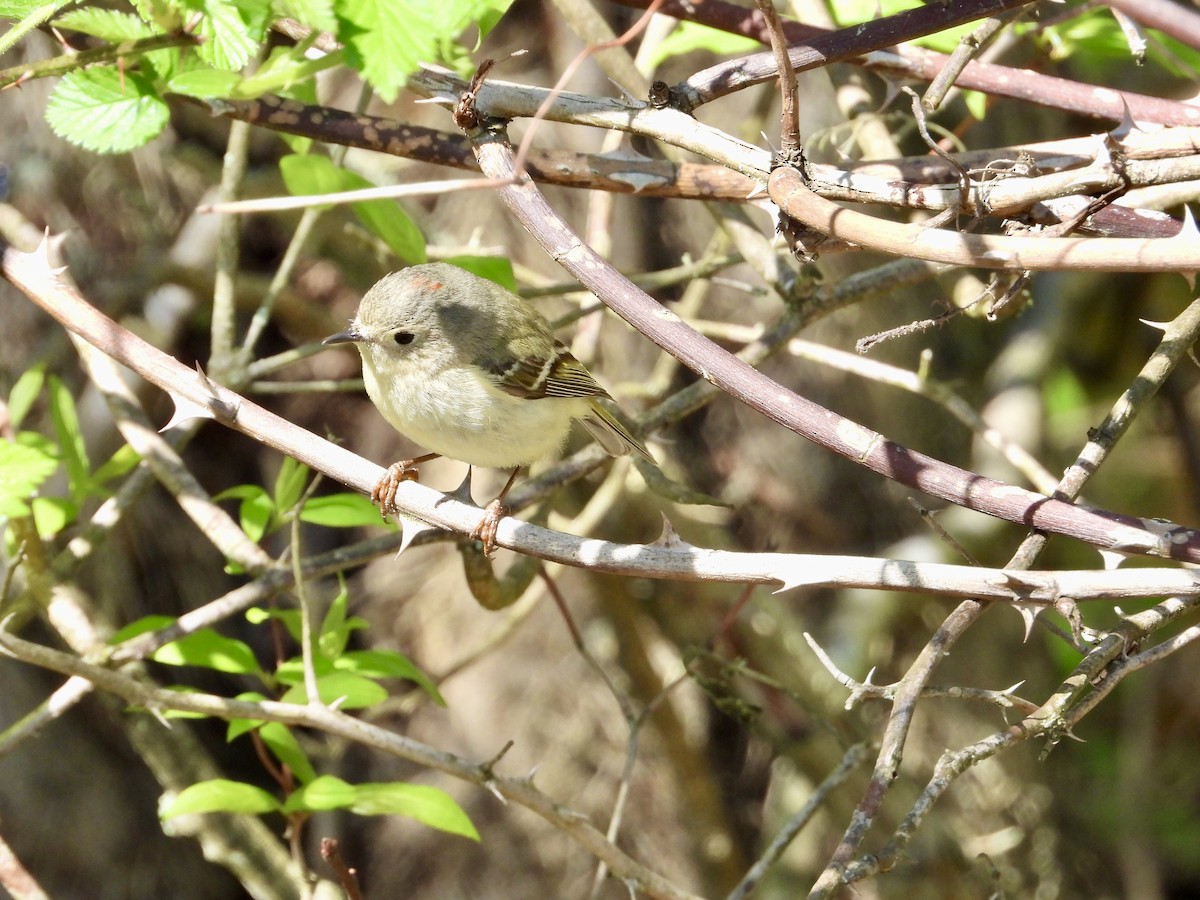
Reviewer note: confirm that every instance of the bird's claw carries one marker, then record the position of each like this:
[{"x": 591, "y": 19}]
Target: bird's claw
[
  {"x": 384, "y": 494},
  {"x": 485, "y": 531}
]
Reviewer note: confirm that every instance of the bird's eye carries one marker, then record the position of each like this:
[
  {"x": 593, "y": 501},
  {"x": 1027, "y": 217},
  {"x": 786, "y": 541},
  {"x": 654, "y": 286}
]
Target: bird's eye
[{"x": 404, "y": 338}]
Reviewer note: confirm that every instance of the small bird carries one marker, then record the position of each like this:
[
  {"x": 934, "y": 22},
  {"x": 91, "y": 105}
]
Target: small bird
[{"x": 472, "y": 372}]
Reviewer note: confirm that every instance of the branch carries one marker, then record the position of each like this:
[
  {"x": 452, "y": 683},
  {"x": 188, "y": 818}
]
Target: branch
[
  {"x": 518, "y": 790},
  {"x": 788, "y": 189},
  {"x": 672, "y": 560}
]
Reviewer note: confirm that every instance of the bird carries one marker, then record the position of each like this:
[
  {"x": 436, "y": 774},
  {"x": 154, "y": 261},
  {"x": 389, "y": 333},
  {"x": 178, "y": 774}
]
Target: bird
[{"x": 472, "y": 372}]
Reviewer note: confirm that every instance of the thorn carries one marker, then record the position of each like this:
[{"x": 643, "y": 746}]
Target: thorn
[
  {"x": 410, "y": 529},
  {"x": 216, "y": 405},
  {"x": 185, "y": 410},
  {"x": 1112, "y": 559},
  {"x": 1159, "y": 326},
  {"x": 1189, "y": 229},
  {"x": 1029, "y": 615},
  {"x": 1010, "y": 690},
  {"x": 1126, "y": 125},
  {"x": 462, "y": 493},
  {"x": 669, "y": 539}
]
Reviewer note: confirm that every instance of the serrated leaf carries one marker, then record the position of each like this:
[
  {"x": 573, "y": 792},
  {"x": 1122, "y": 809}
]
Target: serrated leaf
[
  {"x": 210, "y": 650},
  {"x": 220, "y": 795},
  {"x": 230, "y": 33},
  {"x": 428, "y": 805},
  {"x": 107, "y": 24},
  {"x": 101, "y": 111},
  {"x": 387, "y": 664},
  {"x": 19, "y": 9},
  {"x": 343, "y": 510},
  {"x": 317, "y": 14},
  {"x": 324, "y": 792},
  {"x": 385, "y": 41},
  {"x": 349, "y": 691},
  {"x": 24, "y": 393},
  {"x": 281, "y": 742},
  {"x": 22, "y": 471},
  {"x": 205, "y": 83}
]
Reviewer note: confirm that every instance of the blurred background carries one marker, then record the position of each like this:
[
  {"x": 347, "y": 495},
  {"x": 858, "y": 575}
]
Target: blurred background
[{"x": 741, "y": 719}]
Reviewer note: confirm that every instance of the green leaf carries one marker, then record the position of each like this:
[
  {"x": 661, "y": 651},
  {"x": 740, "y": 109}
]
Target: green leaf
[
  {"x": 210, "y": 650},
  {"x": 70, "y": 437},
  {"x": 493, "y": 268},
  {"x": 387, "y": 664},
  {"x": 120, "y": 463},
  {"x": 349, "y": 691},
  {"x": 428, "y": 805},
  {"x": 976, "y": 102},
  {"x": 279, "y": 738},
  {"x": 230, "y": 33},
  {"x": 340, "y": 511},
  {"x": 291, "y": 671},
  {"x": 334, "y": 634},
  {"x": 144, "y": 625},
  {"x": 107, "y": 24},
  {"x": 289, "y": 484},
  {"x": 688, "y": 36},
  {"x": 204, "y": 83},
  {"x": 317, "y": 14},
  {"x": 390, "y": 223},
  {"x": 101, "y": 110},
  {"x": 220, "y": 795},
  {"x": 289, "y": 617},
  {"x": 318, "y": 175},
  {"x": 22, "y": 471},
  {"x": 324, "y": 792},
  {"x": 385, "y": 41},
  {"x": 23, "y": 394},
  {"x": 19, "y": 9},
  {"x": 255, "y": 512},
  {"x": 51, "y": 515}
]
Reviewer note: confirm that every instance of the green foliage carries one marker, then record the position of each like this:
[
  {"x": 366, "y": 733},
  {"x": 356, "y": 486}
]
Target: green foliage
[
  {"x": 22, "y": 471},
  {"x": 428, "y": 805},
  {"x": 106, "y": 110},
  {"x": 689, "y": 36},
  {"x": 493, "y": 268},
  {"x": 262, "y": 513},
  {"x": 27, "y": 461},
  {"x": 347, "y": 679},
  {"x": 312, "y": 174},
  {"x": 115, "y": 109}
]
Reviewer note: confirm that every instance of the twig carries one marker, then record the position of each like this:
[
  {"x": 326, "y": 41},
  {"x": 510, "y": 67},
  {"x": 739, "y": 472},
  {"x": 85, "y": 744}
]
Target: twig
[
  {"x": 1177, "y": 254},
  {"x": 678, "y": 561},
  {"x": 517, "y": 790},
  {"x": 748, "y": 385},
  {"x": 854, "y": 757}
]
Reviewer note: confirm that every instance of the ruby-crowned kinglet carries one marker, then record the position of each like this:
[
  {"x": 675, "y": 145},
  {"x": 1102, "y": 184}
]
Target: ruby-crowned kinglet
[{"x": 470, "y": 371}]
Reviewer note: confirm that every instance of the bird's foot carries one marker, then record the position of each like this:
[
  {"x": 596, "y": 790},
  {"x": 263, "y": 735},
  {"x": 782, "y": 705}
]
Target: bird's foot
[
  {"x": 485, "y": 531},
  {"x": 384, "y": 494}
]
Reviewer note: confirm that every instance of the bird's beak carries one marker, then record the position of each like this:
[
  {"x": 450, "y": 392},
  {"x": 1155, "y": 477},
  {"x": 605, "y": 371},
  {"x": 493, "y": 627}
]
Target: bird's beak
[{"x": 349, "y": 336}]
